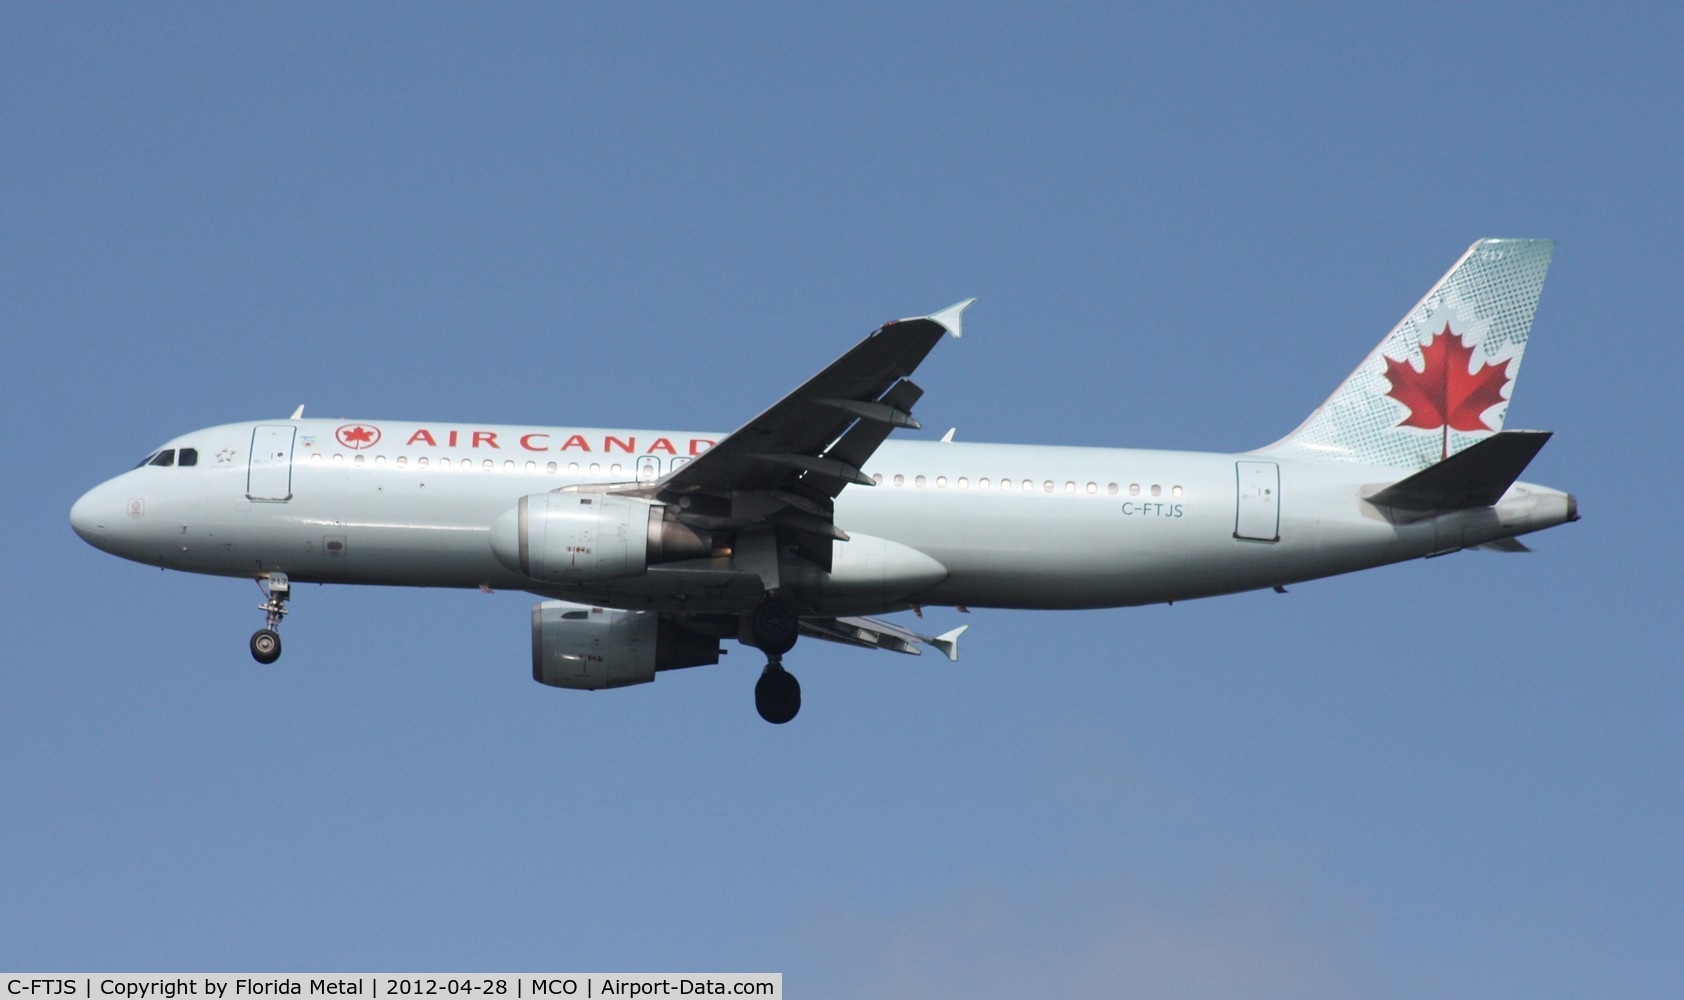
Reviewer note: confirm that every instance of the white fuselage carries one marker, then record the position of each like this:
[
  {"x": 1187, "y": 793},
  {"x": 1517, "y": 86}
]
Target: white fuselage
[{"x": 1009, "y": 525}]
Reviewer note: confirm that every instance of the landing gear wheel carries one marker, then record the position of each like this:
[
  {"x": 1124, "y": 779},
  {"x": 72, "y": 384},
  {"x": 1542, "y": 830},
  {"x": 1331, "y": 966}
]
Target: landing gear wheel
[
  {"x": 777, "y": 695},
  {"x": 776, "y": 625},
  {"x": 266, "y": 642},
  {"x": 266, "y": 645}
]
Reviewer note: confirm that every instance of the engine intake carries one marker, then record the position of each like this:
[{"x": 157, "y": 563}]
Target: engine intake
[
  {"x": 575, "y": 646},
  {"x": 578, "y": 538}
]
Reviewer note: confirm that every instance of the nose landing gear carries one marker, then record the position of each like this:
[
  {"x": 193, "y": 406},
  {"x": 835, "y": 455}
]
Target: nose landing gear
[{"x": 266, "y": 641}]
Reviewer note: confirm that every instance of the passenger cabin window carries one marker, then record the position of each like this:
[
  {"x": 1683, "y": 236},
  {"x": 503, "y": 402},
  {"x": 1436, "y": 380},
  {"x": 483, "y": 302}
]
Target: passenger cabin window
[
  {"x": 187, "y": 456},
  {"x": 165, "y": 458}
]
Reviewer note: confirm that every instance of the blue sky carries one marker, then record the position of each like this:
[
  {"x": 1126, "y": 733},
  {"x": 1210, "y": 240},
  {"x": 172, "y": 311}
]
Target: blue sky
[{"x": 1184, "y": 226}]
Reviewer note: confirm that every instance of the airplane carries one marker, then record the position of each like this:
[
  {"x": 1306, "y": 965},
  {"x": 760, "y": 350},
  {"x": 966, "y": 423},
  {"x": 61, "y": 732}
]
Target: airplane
[{"x": 650, "y": 548}]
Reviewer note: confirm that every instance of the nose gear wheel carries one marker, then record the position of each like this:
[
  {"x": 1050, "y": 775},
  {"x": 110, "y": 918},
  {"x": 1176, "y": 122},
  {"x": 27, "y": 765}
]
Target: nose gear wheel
[
  {"x": 266, "y": 645},
  {"x": 266, "y": 641}
]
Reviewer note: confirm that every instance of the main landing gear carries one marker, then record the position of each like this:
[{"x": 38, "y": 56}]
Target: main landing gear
[
  {"x": 774, "y": 626},
  {"x": 777, "y": 695},
  {"x": 266, "y": 641}
]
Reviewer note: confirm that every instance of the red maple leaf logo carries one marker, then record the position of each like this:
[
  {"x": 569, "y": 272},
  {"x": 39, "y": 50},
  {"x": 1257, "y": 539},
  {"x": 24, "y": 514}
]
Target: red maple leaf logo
[
  {"x": 358, "y": 436},
  {"x": 1445, "y": 393}
]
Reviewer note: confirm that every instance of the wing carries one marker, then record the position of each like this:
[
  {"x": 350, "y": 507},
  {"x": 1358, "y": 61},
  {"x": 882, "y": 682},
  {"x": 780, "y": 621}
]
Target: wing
[
  {"x": 776, "y": 478},
  {"x": 875, "y": 634}
]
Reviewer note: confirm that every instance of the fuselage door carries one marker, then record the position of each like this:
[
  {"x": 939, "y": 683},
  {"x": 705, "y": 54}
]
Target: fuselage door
[
  {"x": 1258, "y": 514},
  {"x": 269, "y": 476}
]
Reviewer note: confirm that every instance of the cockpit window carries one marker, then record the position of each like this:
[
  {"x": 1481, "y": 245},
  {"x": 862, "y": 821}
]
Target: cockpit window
[
  {"x": 164, "y": 458},
  {"x": 188, "y": 456},
  {"x": 146, "y": 461}
]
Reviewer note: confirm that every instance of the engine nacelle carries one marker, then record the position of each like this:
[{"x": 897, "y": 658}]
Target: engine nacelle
[
  {"x": 584, "y": 537},
  {"x": 576, "y": 646}
]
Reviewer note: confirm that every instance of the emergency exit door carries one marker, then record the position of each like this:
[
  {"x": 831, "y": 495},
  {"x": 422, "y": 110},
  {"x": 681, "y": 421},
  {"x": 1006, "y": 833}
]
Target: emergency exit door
[{"x": 1258, "y": 508}]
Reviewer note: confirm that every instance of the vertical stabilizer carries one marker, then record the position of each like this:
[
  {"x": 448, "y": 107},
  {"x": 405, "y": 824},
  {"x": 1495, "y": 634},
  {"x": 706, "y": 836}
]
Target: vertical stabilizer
[{"x": 1442, "y": 379}]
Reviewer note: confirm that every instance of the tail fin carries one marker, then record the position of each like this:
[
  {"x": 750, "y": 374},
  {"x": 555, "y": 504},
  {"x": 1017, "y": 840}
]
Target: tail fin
[{"x": 1441, "y": 380}]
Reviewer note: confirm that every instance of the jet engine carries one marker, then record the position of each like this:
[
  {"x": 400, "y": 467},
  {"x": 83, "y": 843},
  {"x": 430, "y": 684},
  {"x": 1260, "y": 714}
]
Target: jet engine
[
  {"x": 584, "y": 537},
  {"x": 576, "y": 646}
]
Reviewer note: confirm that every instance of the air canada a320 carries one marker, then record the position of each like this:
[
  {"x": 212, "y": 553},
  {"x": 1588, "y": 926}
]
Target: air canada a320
[{"x": 650, "y": 549}]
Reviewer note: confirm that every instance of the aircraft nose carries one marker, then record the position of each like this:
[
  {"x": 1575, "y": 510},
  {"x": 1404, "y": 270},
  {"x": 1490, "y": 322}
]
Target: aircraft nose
[{"x": 90, "y": 516}]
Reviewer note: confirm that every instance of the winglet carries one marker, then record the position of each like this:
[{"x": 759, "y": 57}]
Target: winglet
[
  {"x": 948, "y": 642},
  {"x": 297, "y": 414},
  {"x": 948, "y": 318}
]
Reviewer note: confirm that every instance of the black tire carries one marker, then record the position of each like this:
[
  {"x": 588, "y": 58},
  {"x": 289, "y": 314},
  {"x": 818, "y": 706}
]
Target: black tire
[
  {"x": 777, "y": 695},
  {"x": 266, "y": 645},
  {"x": 775, "y": 625}
]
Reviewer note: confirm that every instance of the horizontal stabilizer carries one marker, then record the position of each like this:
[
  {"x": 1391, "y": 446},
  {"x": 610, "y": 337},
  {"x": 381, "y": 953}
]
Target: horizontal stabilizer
[{"x": 1477, "y": 476}]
